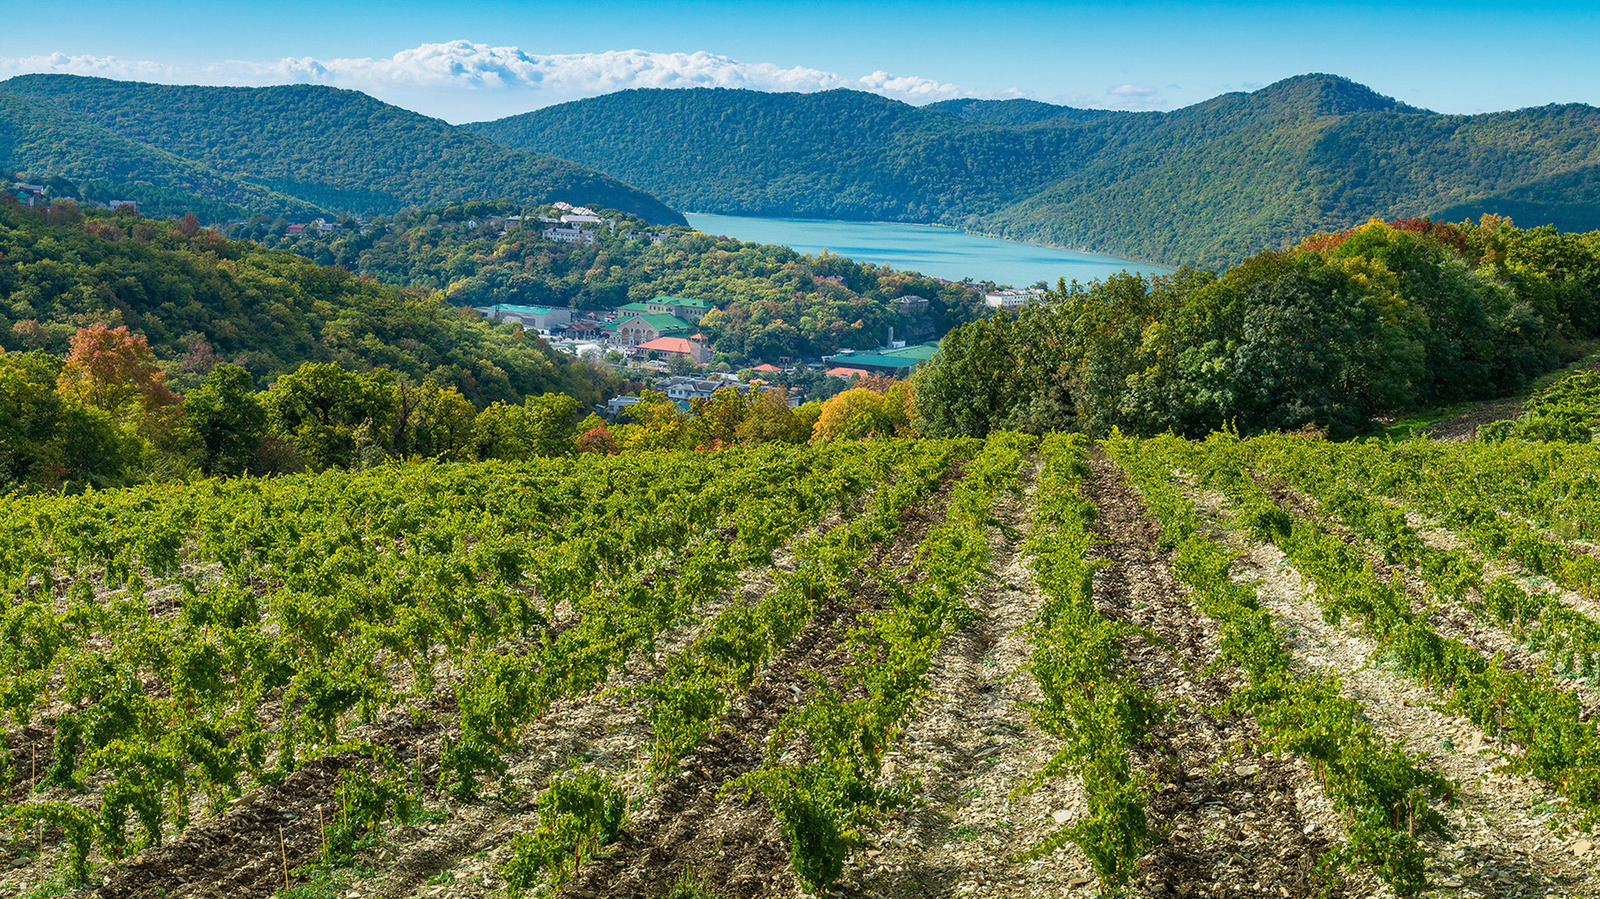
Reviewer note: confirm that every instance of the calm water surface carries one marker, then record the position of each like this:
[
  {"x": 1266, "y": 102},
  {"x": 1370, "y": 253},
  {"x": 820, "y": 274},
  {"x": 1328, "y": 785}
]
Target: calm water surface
[{"x": 929, "y": 249}]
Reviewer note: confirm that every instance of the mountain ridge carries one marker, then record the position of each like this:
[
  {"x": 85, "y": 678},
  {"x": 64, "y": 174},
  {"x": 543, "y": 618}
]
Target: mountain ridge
[
  {"x": 338, "y": 150},
  {"x": 1206, "y": 184}
]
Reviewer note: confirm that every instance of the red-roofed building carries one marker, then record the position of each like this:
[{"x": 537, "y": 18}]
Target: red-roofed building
[
  {"x": 683, "y": 346},
  {"x": 842, "y": 372},
  {"x": 767, "y": 367}
]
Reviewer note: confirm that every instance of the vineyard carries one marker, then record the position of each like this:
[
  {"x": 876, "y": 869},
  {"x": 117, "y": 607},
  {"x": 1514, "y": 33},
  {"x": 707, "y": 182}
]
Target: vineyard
[{"x": 1277, "y": 666}]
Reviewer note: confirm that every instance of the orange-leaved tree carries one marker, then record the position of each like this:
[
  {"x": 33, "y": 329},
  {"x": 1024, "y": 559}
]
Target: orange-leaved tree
[{"x": 113, "y": 370}]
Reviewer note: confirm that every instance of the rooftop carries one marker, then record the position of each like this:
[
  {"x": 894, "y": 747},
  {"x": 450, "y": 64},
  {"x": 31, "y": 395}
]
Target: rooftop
[
  {"x": 669, "y": 344},
  {"x": 518, "y": 310},
  {"x": 661, "y": 321}
]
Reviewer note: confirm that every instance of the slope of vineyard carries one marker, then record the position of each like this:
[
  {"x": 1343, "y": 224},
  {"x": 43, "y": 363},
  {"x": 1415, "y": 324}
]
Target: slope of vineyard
[{"x": 1004, "y": 667}]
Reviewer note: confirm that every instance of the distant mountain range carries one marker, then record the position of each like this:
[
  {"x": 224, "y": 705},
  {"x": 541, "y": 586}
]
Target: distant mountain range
[
  {"x": 1207, "y": 184},
  {"x": 295, "y": 150}
]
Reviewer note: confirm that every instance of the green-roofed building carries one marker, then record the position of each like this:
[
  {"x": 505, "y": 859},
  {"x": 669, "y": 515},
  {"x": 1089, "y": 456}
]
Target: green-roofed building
[
  {"x": 897, "y": 361},
  {"x": 631, "y": 330},
  {"x": 686, "y": 309},
  {"x": 544, "y": 318}
]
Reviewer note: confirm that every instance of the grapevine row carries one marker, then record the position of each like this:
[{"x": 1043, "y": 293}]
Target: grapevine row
[
  {"x": 1092, "y": 702},
  {"x": 1527, "y": 708},
  {"x": 1384, "y": 794},
  {"x": 428, "y": 570},
  {"x": 1538, "y": 619},
  {"x": 843, "y": 731}
]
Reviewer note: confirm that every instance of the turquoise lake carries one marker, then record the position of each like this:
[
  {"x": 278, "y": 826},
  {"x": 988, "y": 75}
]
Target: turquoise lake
[{"x": 929, "y": 249}]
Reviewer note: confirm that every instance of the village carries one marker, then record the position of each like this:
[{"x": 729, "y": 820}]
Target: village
[{"x": 659, "y": 338}]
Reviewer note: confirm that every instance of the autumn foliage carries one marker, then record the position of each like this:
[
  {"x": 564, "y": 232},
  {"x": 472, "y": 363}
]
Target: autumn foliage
[{"x": 864, "y": 412}]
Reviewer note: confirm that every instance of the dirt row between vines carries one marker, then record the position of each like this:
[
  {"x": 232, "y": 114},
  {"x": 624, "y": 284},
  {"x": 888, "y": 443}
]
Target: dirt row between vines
[
  {"x": 1228, "y": 821},
  {"x": 1510, "y": 833},
  {"x": 698, "y": 820}
]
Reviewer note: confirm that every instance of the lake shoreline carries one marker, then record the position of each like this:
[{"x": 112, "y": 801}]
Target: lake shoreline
[{"x": 905, "y": 246}]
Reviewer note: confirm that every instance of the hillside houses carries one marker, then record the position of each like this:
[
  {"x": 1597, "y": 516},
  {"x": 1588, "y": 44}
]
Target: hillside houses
[
  {"x": 693, "y": 346},
  {"x": 28, "y": 194},
  {"x": 689, "y": 310}
]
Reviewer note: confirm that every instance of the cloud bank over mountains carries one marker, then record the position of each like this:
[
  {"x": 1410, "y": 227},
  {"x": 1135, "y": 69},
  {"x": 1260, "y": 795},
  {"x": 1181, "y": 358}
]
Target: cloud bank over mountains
[{"x": 463, "y": 80}]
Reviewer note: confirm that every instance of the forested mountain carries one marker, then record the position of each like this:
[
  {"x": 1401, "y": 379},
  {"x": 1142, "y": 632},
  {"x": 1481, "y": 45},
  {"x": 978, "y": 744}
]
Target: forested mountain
[
  {"x": 336, "y": 150},
  {"x": 1207, "y": 184},
  {"x": 36, "y": 138}
]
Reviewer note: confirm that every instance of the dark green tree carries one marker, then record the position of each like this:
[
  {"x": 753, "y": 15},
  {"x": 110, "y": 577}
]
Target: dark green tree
[{"x": 224, "y": 421}]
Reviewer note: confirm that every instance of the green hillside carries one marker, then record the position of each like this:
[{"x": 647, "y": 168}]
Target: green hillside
[
  {"x": 37, "y": 140},
  {"x": 199, "y": 299},
  {"x": 337, "y": 150},
  {"x": 835, "y": 154},
  {"x": 1207, "y": 184}
]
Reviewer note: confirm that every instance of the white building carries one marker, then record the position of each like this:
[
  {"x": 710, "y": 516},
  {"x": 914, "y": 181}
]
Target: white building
[
  {"x": 570, "y": 235},
  {"x": 1011, "y": 299}
]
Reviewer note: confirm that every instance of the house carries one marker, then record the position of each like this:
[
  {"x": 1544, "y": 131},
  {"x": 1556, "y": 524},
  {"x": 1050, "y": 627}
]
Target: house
[
  {"x": 688, "y": 310},
  {"x": 767, "y": 369},
  {"x": 28, "y": 194},
  {"x": 542, "y": 318},
  {"x": 617, "y": 404},
  {"x": 682, "y": 390},
  {"x": 911, "y": 304},
  {"x": 574, "y": 218},
  {"x": 297, "y": 230},
  {"x": 631, "y": 330},
  {"x": 693, "y": 346},
  {"x": 686, "y": 388},
  {"x": 569, "y": 235},
  {"x": 849, "y": 373},
  {"x": 128, "y": 205},
  {"x": 1012, "y": 299}
]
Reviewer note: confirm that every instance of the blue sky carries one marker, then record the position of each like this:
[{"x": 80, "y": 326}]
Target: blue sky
[{"x": 475, "y": 59}]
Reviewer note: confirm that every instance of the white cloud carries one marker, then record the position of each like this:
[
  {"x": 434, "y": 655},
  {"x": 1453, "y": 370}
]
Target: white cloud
[
  {"x": 103, "y": 66},
  {"x": 459, "y": 79}
]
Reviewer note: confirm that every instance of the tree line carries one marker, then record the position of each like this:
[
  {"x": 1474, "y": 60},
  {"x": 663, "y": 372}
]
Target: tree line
[
  {"x": 1336, "y": 333},
  {"x": 104, "y": 416}
]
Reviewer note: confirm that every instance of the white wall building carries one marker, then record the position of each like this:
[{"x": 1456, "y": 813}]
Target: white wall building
[{"x": 1011, "y": 299}]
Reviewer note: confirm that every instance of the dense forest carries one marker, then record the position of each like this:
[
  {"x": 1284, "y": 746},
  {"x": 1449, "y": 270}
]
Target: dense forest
[
  {"x": 1205, "y": 185},
  {"x": 1333, "y": 334},
  {"x": 288, "y": 150},
  {"x": 98, "y": 164},
  {"x": 770, "y": 301}
]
